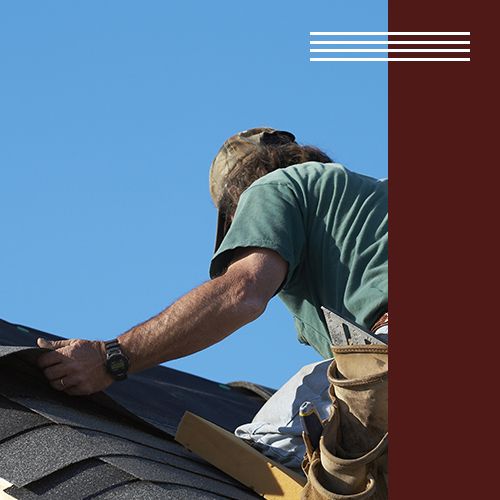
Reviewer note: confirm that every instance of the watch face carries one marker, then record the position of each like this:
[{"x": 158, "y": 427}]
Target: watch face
[{"x": 117, "y": 365}]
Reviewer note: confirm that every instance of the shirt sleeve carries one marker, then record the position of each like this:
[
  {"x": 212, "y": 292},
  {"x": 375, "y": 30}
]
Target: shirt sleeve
[{"x": 268, "y": 215}]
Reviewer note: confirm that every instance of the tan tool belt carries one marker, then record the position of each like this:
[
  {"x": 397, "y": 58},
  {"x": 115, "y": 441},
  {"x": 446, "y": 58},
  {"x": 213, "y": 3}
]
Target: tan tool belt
[{"x": 351, "y": 460}]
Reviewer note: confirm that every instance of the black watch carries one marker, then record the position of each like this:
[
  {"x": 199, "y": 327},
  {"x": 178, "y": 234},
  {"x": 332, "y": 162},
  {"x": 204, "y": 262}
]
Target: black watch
[{"x": 116, "y": 361}]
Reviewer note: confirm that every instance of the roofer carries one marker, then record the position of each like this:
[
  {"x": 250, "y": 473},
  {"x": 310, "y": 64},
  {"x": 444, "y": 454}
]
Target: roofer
[{"x": 290, "y": 222}]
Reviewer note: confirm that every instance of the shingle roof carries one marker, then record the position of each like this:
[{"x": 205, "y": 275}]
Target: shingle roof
[{"x": 117, "y": 444}]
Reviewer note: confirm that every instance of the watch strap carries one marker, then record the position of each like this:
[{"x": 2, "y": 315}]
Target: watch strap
[{"x": 113, "y": 349}]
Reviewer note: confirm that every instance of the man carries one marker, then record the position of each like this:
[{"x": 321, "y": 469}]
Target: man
[{"x": 291, "y": 223}]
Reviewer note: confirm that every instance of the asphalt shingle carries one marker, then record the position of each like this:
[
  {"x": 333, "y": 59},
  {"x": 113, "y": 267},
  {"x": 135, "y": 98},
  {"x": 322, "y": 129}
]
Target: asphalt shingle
[
  {"x": 113, "y": 445},
  {"x": 15, "y": 419},
  {"x": 88, "y": 478}
]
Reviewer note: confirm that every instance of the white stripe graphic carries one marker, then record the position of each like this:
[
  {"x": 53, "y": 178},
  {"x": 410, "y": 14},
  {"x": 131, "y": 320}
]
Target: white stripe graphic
[
  {"x": 387, "y": 48},
  {"x": 388, "y": 42},
  {"x": 389, "y": 33},
  {"x": 387, "y": 59},
  {"x": 390, "y": 50}
]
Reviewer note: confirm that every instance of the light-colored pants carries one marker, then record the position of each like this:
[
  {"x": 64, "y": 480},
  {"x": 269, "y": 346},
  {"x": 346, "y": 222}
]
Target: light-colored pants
[{"x": 276, "y": 429}]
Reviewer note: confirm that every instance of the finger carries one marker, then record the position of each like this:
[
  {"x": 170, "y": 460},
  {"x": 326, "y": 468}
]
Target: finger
[
  {"x": 56, "y": 372},
  {"x": 64, "y": 383},
  {"x": 52, "y": 344},
  {"x": 49, "y": 359},
  {"x": 58, "y": 385}
]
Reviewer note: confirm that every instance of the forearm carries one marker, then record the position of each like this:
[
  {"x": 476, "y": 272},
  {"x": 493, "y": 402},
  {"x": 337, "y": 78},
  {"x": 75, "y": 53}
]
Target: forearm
[{"x": 201, "y": 318}]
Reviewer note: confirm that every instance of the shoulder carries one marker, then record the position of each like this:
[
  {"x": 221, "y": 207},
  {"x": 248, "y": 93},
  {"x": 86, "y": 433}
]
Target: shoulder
[
  {"x": 307, "y": 179},
  {"x": 304, "y": 183},
  {"x": 295, "y": 180},
  {"x": 300, "y": 173}
]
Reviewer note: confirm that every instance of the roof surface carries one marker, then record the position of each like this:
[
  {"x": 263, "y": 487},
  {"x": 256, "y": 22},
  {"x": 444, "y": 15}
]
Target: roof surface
[{"x": 116, "y": 444}]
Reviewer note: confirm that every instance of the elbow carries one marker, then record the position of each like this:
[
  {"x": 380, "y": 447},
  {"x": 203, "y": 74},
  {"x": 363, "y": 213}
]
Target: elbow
[
  {"x": 250, "y": 302},
  {"x": 252, "y": 281},
  {"x": 253, "y": 307}
]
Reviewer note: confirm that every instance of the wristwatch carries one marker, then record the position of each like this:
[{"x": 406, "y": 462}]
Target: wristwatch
[{"x": 116, "y": 361}]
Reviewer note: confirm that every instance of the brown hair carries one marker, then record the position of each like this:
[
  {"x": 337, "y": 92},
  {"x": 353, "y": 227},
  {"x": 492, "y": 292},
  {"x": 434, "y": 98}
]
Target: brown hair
[{"x": 261, "y": 161}]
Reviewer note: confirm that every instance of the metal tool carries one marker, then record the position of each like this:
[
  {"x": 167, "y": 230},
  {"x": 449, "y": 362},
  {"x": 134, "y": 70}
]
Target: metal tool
[
  {"x": 343, "y": 332},
  {"x": 311, "y": 422}
]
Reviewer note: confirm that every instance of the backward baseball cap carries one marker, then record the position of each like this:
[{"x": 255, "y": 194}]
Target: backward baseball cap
[{"x": 232, "y": 152}]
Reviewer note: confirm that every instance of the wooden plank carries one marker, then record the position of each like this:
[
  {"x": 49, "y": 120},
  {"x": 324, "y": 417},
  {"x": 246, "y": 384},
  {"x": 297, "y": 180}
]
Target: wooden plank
[{"x": 238, "y": 459}]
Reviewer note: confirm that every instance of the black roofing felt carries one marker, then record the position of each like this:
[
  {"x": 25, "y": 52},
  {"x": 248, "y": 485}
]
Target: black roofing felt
[{"x": 114, "y": 445}]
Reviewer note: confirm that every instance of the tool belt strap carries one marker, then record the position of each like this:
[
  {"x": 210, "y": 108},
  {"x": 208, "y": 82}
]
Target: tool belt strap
[{"x": 382, "y": 321}]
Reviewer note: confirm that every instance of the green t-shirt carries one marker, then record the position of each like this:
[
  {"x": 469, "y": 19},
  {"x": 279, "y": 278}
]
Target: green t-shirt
[{"x": 330, "y": 225}]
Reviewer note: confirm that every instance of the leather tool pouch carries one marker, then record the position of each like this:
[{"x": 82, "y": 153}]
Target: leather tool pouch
[{"x": 351, "y": 460}]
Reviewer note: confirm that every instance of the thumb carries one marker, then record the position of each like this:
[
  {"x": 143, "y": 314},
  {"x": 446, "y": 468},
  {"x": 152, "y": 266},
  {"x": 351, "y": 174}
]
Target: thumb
[{"x": 52, "y": 344}]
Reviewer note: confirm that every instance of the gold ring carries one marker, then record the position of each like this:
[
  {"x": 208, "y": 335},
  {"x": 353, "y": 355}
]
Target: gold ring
[{"x": 62, "y": 382}]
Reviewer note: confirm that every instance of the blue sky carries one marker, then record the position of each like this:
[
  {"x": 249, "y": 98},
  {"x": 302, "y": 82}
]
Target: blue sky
[{"x": 110, "y": 114}]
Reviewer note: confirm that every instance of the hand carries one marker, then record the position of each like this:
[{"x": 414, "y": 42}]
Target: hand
[{"x": 76, "y": 367}]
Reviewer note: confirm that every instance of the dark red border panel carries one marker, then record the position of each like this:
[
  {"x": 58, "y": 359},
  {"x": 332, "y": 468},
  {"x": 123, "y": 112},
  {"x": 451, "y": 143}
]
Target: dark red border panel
[{"x": 444, "y": 150}]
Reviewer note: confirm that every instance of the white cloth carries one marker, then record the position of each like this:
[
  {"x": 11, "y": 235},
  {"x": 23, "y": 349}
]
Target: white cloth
[{"x": 276, "y": 430}]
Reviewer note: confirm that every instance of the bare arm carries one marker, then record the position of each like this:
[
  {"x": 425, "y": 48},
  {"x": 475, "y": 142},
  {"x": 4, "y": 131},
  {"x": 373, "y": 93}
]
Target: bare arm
[
  {"x": 209, "y": 313},
  {"x": 201, "y": 318}
]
